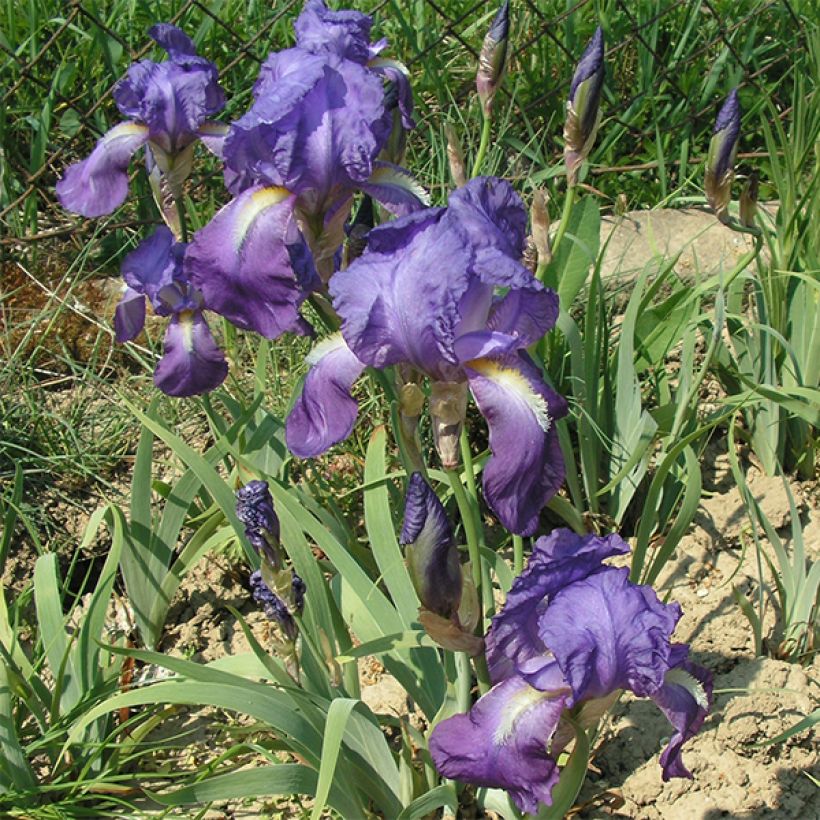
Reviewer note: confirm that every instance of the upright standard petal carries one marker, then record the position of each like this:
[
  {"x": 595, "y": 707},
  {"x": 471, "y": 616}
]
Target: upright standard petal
[
  {"x": 431, "y": 550},
  {"x": 191, "y": 363},
  {"x": 526, "y": 468},
  {"x": 345, "y": 33},
  {"x": 325, "y": 412},
  {"x": 558, "y": 560},
  {"x": 99, "y": 184},
  {"x": 504, "y": 742},
  {"x": 392, "y": 309},
  {"x": 241, "y": 263},
  {"x": 622, "y": 641}
]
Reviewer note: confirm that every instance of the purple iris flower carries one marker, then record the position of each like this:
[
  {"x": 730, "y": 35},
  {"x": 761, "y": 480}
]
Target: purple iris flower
[
  {"x": 572, "y": 633},
  {"x": 310, "y": 141},
  {"x": 443, "y": 291},
  {"x": 169, "y": 106},
  {"x": 191, "y": 363}
]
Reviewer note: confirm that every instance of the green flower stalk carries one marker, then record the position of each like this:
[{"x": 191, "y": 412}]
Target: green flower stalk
[
  {"x": 492, "y": 60},
  {"x": 584, "y": 106},
  {"x": 720, "y": 161}
]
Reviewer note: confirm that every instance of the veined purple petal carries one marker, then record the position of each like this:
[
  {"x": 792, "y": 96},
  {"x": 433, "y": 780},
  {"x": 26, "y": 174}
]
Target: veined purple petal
[
  {"x": 129, "y": 315},
  {"x": 492, "y": 217},
  {"x": 212, "y": 135},
  {"x": 526, "y": 468},
  {"x": 527, "y": 313},
  {"x": 325, "y": 412},
  {"x": 173, "y": 98},
  {"x": 621, "y": 642},
  {"x": 558, "y": 560},
  {"x": 503, "y": 742},
  {"x": 191, "y": 363},
  {"x": 345, "y": 33},
  {"x": 99, "y": 184},
  {"x": 432, "y": 556},
  {"x": 315, "y": 131},
  {"x": 241, "y": 263},
  {"x": 392, "y": 309},
  {"x": 153, "y": 265},
  {"x": 685, "y": 698}
]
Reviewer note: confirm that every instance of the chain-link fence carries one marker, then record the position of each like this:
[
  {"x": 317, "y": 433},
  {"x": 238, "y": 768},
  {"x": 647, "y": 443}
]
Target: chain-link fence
[{"x": 669, "y": 63}]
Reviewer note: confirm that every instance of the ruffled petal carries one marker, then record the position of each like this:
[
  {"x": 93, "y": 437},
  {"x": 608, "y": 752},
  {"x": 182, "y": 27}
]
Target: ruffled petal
[
  {"x": 685, "y": 698},
  {"x": 325, "y": 412},
  {"x": 527, "y": 313},
  {"x": 397, "y": 73},
  {"x": 129, "y": 315},
  {"x": 99, "y": 184},
  {"x": 345, "y": 33},
  {"x": 241, "y": 263},
  {"x": 503, "y": 742},
  {"x": 621, "y": 642},
  {"x": 557, "y": 560},
  {"x": 191, "y": 363},
  {"x": 392, "y": 309},
  {"x": 526, "y": 468}
]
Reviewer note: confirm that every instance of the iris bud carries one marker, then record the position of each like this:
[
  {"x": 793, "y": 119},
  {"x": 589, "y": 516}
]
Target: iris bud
[
  {"x": 493, "y": 58},
  {"x": 720, "y": 161},
  {"x": 455, "y": 157},
  {"x": 584, "y": 106},
  {"x": 254, "y": 508},
  {"x": 435, "y": 569},
  {"x": 748, "y": 201},
  {"x": 540, "y": 218}
]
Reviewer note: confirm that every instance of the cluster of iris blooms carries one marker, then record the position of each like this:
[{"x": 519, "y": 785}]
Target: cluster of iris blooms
[{"x": 438, "y": 293}]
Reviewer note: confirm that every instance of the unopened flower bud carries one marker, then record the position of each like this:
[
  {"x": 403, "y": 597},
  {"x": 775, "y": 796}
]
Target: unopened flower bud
[
  {"x": 540, "y": 217},
  {"x": 254, "y": 508},
  {"x": 448, "y": 407},
  {"x": 455, "y": 156},
  {"x": 492, "y": 59},
  {"x": 748, "y": 201},
  {"x": 720, "y": 161},
  {"x": 275, "y": 608},
  {"x": 584, "y": 106},
  {"x": 430, "y": 548}
]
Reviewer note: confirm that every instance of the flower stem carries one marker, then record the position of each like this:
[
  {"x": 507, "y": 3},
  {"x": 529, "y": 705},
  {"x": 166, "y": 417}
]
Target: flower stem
[
  {"x": 468, "y": 521},
  {"x": 486, "y": 126},
  {"x": 179, "y": 202},
  {"x": 518, "y": 554},
  {"x": 464, "y": 681}
]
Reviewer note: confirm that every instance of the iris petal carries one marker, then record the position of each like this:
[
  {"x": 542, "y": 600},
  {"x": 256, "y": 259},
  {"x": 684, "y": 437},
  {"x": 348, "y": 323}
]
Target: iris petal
[
  {"x": 526, "y": 468},
  {"x": 325, "y": 412},
  {"x": 241, "y": 263},
  {"x": 99, "y": 184},
  {"x": 129, "y": 315},
  {"x": 685, "y": 698},
  {"x": 503, "y": 742},
  {"x": 622, "y": 642},
  {"x": 191, "y": 363}
]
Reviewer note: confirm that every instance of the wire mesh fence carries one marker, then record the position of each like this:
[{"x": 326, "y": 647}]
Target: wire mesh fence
[{"x": 669, "y": 62}]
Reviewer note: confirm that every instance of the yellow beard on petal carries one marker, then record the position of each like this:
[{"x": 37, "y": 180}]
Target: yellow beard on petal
[
  {"x": 186, "y": 323},
  {"x": 256, "y": 204},
  {"x": 515, "y": 382},
  {"x": 517, "y": 707}
]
